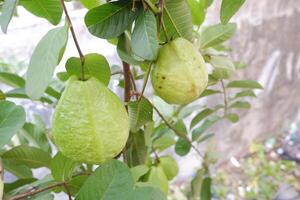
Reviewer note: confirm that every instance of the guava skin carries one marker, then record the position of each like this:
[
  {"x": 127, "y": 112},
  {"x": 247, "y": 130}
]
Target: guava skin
[
  {"x": 179, "y": 75},
  {"x": 90, "y": 123}
]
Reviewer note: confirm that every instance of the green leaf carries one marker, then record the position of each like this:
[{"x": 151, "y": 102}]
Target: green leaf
[
  {"x": 157, "y": 178},
  {"x": 177, "y": 19},
  {"x": 216, "y": 34},
  {"x": 12, "y": 118},
  {"x": 111, "y": 180},
  {"x": 20, "y": 171},
  {"x": 29, "y": 156},
  {"x": 200, "y": 116},
  {"x": 125, "y": 52},
  {"x": 144, "y": 37},
  {"x": 232, "y": 117},
  {"x": 45, "y": 58},
  {"x": 240, "y": 104},
  {"x": 89, "y": 4},
  {"x": 147, "y": 193},
  {"x": 164, "y": 141},
  {"x": 205, "y": 137},
  {"x": 48, "y": 9},
  {"x": 197, "y": 11},
  {"x": 140, "y": 112},
  {"x": 110, "y": 20},
  {"x": 251, "y": 84},
  {"x": 206, "y": 189},
  {"x": 20, "y": 93},
  {"x": 137, "y": 152},
  {"x": 8, "y": 9},
  {"x": 76, "y": 183},
  {"x": 36, "y": 134},
  {"x": 209, "y": 92},
  {"x": 222, "y": 62},
  {"x": 16, "y": 81},
  {"x": 196, "y": 184},
  {"x": 62, "y": 167},
  {"x": 63, "y": 76},
  {"x": 11, "y": 79},
  {"x": 246, "y": 93},
  {"x": 95, "y": 65},
  {"x": 170, "y": 166},
  {"x": 182, "y": 147},
  {"x": 138, "y": 171},
  {"x": 229, "y": 8},
  {"x": 206, "y": 125},
  {"x": 148, "y": 131}
]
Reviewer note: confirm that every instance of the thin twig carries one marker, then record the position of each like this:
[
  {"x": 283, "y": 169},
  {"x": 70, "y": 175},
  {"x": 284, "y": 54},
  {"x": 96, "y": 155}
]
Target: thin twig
[
  {"x": 145, "y": 6},
  {"x": 161, "y": 5},
  {"x": 74, "y": 38},
  {"x": 225, "y": 98},
  {"x": 31, "y": 193},
  {"x": 145, "y": 81},
  {"x": 133, "y": 7}
]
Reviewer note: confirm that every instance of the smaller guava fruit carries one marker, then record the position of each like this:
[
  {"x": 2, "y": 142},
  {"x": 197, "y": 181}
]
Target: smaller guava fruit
[
  {"x": 179, "y": 75},
  {"x": 169, "y": 165},
  {"x": 157, "y": 178},
  {"x": 90, "y": 123}
]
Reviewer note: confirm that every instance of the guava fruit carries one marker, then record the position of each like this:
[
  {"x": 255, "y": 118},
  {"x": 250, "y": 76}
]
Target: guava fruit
[
  {"x": 170, "y": 167},
  {"x": 179, "y": 75},
  {"x": 90, "y": 123},
  {"x": 157, "y": 178}
]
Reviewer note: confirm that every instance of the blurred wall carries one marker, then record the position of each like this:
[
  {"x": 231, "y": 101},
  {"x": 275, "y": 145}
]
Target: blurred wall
[{"x": 268, "y": 40}]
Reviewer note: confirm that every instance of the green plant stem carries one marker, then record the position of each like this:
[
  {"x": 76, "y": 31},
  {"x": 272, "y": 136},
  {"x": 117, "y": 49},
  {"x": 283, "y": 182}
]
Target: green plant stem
[
  {"x": 145, "y": 81},
  {"x": 152, "y": 6},
  {"x": 74, "y": 38},
  {"x": 133, "y": 7}
]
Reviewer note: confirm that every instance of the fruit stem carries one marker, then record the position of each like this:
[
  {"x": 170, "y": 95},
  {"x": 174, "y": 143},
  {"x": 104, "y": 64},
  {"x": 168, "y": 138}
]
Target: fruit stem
[{"x": 74, "y": 38}]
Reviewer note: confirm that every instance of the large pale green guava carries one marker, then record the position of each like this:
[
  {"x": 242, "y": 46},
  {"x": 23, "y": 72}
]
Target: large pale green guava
[
  {"x": 90, "y": 123},
  {"x": 179, "y": 75}
]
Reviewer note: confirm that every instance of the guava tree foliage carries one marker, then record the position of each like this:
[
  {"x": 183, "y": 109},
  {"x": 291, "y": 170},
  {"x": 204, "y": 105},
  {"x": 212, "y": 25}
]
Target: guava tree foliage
[{"x": 109, "y": 149}]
